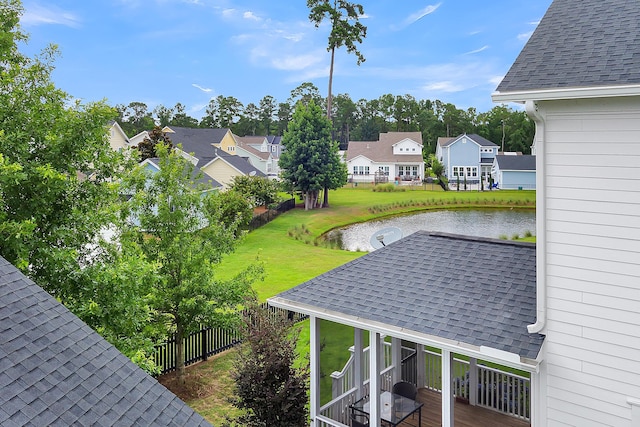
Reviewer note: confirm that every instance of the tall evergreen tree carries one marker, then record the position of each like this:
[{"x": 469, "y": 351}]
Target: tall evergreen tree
[{"x": 310, "y": 160}]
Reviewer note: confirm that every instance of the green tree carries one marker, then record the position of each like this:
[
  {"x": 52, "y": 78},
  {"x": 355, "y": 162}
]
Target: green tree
[
  {"x": 181, "y": 230},
  {"x": 135, "y": 118},
  {"x": 310, "y": 159},
  {"x": 305, "y": 93},
  {"x": 346, "y": 30},
  {"x": 258, "y": 190},
  {"x": 270, "y": 389},
  {"x": 58, "y": 170},
  {"x": 266, "y": 113}
]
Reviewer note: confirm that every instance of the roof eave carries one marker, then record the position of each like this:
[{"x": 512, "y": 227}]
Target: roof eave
[
  {"x": 566, "y": 93},
  {"x": 481, "y": 352}
]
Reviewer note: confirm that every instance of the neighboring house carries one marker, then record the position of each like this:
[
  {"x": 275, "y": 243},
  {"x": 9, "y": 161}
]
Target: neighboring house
[
  {"x": 514, "y": 172},
  {"x": 395, "y": 156},
  {"x": 153, "y": 165},
  {"x": 466, "y": 156},
  {"x": 579, "y": 79},
  {"x": 257, "y": 150},
  {"x": 204, "y": 148},
  {"x": 275, "y": 145},
  {"x": 118, "y": 140},
  {"x": 224, "y": 167},
  {"x": 57, "y": 371}
]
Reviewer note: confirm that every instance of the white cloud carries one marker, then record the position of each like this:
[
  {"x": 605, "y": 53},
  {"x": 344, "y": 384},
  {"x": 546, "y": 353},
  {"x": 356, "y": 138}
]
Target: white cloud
[
  {"x": 416, "y": 16},
  {"x": 485, "y": 47},
  {"x": 36, "y": 14},
  {"x": 525, "y": 36},
  {"x": 251, "y": 16},
  {"x": 443, "y": 86},
  {"x": 296, "y": 62},
  {"x": 204, "y": 89}
]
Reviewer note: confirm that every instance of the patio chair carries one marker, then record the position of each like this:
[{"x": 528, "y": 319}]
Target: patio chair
[
  {"x": 359, "y": 419},
  {"x": 405, "y": 389}
]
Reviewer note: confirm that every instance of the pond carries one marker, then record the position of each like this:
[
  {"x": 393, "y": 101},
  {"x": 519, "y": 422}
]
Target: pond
[{"x": 494, "y": 223}]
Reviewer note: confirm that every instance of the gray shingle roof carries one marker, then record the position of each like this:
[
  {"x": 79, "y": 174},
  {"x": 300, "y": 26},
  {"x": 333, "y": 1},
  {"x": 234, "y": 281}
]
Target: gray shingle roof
[
  {"x": 198, "y": 141},
  {"x": 523, "y": 162},
  {"x": 240, "y": 163},
  {"x": 55, "y": 370},
  {"x": 204, "y": 180},
  {"x": 584, "y": 43},
  {"x": 474, "y": 290}
]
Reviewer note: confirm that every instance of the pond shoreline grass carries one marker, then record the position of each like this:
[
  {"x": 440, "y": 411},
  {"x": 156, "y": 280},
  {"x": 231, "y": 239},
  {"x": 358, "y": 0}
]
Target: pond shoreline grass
[{"x": 292, "y": 259}]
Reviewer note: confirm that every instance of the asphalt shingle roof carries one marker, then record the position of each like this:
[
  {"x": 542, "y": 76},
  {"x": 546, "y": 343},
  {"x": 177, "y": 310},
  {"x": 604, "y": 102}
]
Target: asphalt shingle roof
[
  {"x": 473, "y": 290},
  {"x": 382, "y": 150},
  {"x": 584, "y": 43},
  {"x": 56, "y": 371},
  {"x": 523, "y": 162},
  {"x": 198, "y": 141}
]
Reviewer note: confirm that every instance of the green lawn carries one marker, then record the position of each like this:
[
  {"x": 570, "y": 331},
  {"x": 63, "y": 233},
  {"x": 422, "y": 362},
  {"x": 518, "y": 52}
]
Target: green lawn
[{"x": 292, "y": 257}]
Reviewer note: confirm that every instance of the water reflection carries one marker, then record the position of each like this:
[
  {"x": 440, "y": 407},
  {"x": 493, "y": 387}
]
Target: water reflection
[{"x": 482, "y": 223}]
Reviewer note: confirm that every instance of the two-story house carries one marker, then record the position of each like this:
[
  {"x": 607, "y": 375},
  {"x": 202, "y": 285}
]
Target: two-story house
[
  {"x": 466, "y": 157},
  {"x": 395, "y": 156}
]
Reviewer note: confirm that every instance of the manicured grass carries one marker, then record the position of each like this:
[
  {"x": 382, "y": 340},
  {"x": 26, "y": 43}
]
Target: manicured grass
[{"x": 291, "y": 258}]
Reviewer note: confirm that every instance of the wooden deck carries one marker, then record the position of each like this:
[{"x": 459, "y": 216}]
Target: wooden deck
[{"x": 465, "y": 415}]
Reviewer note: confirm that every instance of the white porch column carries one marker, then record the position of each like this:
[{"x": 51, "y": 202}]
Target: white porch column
[
  {"x": 473, "y": 381},
  {"x": 396, "y": 359},
  {"x": 421, "y": 366},
  {"x": 374, "y": 378},
  {"x": 314, "y": 349},
  {"x": 357, "y": 362},
  {"x": 447, "y": 390}
]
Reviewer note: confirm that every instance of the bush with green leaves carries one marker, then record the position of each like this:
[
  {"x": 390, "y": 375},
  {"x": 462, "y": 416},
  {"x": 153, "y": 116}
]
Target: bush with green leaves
[{"x": 270, "y": 389}]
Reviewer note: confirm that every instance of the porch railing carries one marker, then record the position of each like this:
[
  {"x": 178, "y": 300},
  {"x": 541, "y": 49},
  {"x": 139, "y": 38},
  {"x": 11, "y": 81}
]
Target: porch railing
[{"x": 494, "y": 389}]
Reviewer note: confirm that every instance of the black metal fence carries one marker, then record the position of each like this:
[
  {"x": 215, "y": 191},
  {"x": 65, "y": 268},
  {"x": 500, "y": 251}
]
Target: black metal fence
[
  {"x": 270, "y": 214},
  {"x": 200, "y": 345}
]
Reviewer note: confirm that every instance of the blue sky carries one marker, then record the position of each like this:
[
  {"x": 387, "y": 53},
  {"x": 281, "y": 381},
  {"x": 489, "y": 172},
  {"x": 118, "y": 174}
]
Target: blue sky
[{"x": 189, "y": 51}]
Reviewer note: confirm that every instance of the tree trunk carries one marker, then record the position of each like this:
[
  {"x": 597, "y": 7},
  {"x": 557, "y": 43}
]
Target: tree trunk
[
  {"x": 325, "y": 203},
  {"x": 180, "y": 371}
]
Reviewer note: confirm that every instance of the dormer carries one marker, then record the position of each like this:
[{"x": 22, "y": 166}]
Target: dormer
[{"x": 407, "y": 147}]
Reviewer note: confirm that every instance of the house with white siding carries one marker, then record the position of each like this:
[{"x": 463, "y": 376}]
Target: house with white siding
[
  {"x": 579, "y": 80},
  {"x": 567, "y": 310},
  {"x": 396, "y": 156}
]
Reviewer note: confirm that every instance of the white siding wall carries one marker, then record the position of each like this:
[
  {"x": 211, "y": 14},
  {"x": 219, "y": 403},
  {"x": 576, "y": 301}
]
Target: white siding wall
[{"x": 591, "y": 170}]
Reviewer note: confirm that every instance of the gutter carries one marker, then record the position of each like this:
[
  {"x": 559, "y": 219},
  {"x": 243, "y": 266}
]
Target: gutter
[
  {"x": 541, "y": 216},
  {"x": 479, "y": 352}
]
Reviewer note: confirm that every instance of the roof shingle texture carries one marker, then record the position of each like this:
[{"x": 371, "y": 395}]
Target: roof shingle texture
[
  {"x": 472, "y": 290},
  {"x": 382, "y": 150},
  {"x": 586, "y": 43},
  {"x": 56, "y": 371},
  {"x": 516, "y": 163}
]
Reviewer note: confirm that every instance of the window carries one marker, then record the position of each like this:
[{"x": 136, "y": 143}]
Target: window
[
  {"x": 384, "y": 169},
  {"x": 455, "y": 171},
  {"x": 400, "y": 149},
  {"x": 366, "y": 170},
  {"x": 232, "y": 148},
  {"x": 414, "y": 170},
  {"x": 401, "y": 170}
]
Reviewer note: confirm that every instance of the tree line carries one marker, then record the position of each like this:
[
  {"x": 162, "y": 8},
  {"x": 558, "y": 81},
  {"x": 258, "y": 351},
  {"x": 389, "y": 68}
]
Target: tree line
[{"x": 361, "y": 120}]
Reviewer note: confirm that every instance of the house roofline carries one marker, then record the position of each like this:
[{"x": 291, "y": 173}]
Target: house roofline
[
  {"x": 566, "y": 93},
  {"x": 480, "y": 352}
]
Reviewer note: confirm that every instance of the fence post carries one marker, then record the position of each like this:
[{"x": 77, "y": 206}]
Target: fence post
[{"x": 205, "y": 346}]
